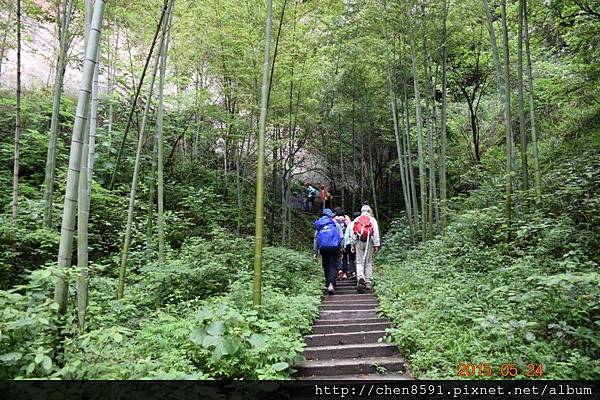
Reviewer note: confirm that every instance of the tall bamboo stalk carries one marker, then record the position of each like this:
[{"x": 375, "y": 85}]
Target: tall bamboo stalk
[
  {"x": 409, "y": 162},
  {"x": 507, "y": 120},
  {"x": 422, "y": 184},
  {"x": 137, "y": 94},
  {"x": 83, "y": 197},
  {"x": 260, "y": 169},
  {"x": 534, "y": 144},
  {"x": 159, "y": 138},
  {"x": 394, "y": 109},
  {"x": 443, "y": 189},
  {"x": 15, "y": 191},
  {"x": 111, "y": 86},
  {"x": 433, "y": 206},
  {"x": 83, "y": 105},
  {"x": 135, "y": 177},
  {"x": 54, "y": 121},
  {"x": 522, "y": 129}
]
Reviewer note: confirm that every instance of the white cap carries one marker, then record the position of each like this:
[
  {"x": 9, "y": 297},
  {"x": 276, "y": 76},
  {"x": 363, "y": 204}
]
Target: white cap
[{"x": 366, "y": 209}]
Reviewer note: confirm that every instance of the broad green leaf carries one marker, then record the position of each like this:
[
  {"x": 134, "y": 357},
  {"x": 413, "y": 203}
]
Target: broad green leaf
[
  {"x": 231, "y": 344},
  {"x": 38, "y": 358},
  {"x": 10, "y": 357},
  {"x": 280, "y": 366},
  {"x": 210, "y": 340},
  {"x": 216, "y": 328},
  {"x": 197, "y": 335},
  {"x": 47, "y": 363},
  {"x": 30, "y": 368},
  {"x": 258, "y": 341}
]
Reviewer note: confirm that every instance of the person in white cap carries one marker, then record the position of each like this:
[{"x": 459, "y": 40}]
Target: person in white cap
[{"x": 365, "y": 242}]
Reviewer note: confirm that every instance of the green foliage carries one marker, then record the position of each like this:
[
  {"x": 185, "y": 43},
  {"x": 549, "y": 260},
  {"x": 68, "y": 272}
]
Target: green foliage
[
  {"x": 28, "y": 328},
  {"x": 468, "y": 297},
  {"x": 205, "y": 326}
]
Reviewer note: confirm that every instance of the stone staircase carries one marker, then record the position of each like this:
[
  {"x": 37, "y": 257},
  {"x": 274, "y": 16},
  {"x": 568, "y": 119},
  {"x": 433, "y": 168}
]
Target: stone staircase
[{"x": 344, "y": 343}]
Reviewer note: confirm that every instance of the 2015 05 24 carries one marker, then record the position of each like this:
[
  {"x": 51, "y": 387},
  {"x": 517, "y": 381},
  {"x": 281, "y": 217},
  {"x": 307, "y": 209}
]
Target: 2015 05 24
[{"x": 505, "y": 370}]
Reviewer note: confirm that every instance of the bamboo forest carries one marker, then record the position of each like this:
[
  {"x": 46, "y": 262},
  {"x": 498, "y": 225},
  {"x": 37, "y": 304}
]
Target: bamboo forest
[{"x": 174, "y": 175}]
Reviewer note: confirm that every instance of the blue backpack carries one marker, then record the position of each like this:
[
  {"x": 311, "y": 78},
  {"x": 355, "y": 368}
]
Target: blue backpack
[{"x": 328, "y": 236}]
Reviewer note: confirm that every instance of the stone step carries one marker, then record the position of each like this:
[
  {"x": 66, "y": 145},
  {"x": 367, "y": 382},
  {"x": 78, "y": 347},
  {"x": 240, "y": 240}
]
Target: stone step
[
  {"x": 330, "y": 339},
  {"x": 349, "y": 296},
  {"x": 359, "y": 377},
  {"x": 348, "y": 366},
  {"x": 347, "y": 306},
  {"x": 352, "y": 321},
  {"x": 339, "y": 300},
  {"x": 345, "y": 283},
  {"x": 339, "y": 328},
  {"x": 347, "y": 290},
  {"x": 347, "y": 314},
  {"x": 363, "y": 350}
]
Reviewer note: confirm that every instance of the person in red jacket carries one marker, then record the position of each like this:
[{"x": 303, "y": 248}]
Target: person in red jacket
[{"x": 325, "y": 197}]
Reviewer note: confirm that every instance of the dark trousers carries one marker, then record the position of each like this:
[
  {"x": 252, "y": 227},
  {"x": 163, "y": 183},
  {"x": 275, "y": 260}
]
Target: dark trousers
[
  {"x": 344, "y": 262},
  {"x": 350, "y": 260},
  {"x": 329, "y": 259}
]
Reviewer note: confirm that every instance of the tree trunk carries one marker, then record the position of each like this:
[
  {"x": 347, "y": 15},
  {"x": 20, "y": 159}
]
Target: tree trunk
[
  {"x": 70, "y": 205},
  {"x": 372, "y": 176},
  {"x": 134, "y": 180},
  {"x": 15, "y": 191},
  {"x": 493, "y": 44},
  {"x": 159, "y": 138},
  {"x": 54, "y": 122},
  {"x": 433, "y": 206},
  {"x": 83, "y": 199},
  {"x": 111, "y": 87},
  {"x": 507, "y": 121},
  {"x": 93, "y": 124},
  {"x": 137, "y": 94},
  {"x": 409, "y": 162},
  {"x": 420, "y": 144},
  {"x": 443, "y": 190},
  {"x": 536, "y": 164},
  {"x": 522, "y": 129},
  {"x": 394, "y": 107},
  {"x": 260, "y": 169}
]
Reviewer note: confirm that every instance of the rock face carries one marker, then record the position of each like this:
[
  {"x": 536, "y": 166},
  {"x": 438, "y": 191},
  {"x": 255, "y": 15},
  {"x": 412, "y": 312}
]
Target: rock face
[
  {"x": 346, "y": 340},
  {"x": 39, "y": 49}
]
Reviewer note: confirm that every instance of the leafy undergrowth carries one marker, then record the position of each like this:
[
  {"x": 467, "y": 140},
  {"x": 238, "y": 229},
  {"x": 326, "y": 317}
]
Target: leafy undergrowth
[
  {"x": 468, "y": 298},
  {"x": 191, "y": 319}
]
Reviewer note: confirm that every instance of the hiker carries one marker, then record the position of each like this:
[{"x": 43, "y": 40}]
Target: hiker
[
  {"x": 342, "y": 219},
  {"x": 311, "y": 195},
  {"x": 351, "y": 256},
  {"x": 365, "y": 233},
  {"x": 324, "y": 196},
  {"x": 327, "y": 243}
]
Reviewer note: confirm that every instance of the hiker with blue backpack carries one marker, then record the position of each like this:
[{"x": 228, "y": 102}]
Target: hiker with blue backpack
[
  {"x": 327, "y": 243},
  {"x": 365, "y": 242}
]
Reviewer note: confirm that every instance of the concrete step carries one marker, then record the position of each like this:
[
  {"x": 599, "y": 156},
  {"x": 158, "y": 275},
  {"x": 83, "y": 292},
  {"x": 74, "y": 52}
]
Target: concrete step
[
  {"x": 362, "y": 377},
  {"x": 347, "y": 306},
  {"x": 330, "y": 339},
  {"x": 340, "y": 328},
  {"x": 348, "y": 366},
  {"x": 363, "y": 350},
  {"x": 350, "y": 321},
  {"x": 347, "y": 314}
]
